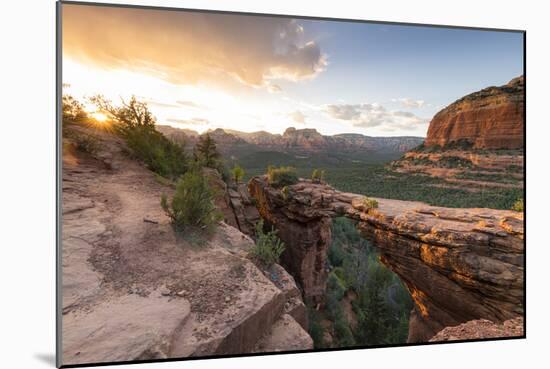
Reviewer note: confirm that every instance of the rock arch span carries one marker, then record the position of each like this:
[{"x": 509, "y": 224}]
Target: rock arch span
[{"x": 458, "y": 264}]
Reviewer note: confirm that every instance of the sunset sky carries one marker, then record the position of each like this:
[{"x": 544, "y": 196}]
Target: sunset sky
[{"x": 250, "y": 73}]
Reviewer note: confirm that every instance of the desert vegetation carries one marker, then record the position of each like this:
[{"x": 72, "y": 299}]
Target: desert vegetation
[
  {"x": 191, "y": 207},
  {"x": 192, "y": 204},
  {"x": 318, "y": 175},
  {"x": 133, "y": 121},
  {"x": 518, "y": 205},
  {"x": 366, "y": 304},
  {"x": 238, "y": 173},
  {"x": 268, "y": 247},
  {"x": 369, "y": 203},
  {"x": 281, "y": 176}
]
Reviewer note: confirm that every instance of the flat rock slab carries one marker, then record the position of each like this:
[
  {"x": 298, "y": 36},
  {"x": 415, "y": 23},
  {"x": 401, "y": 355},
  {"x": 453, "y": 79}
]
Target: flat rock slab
[
  {"x": 129, "y": 327},
  {"x": 285, "y": 335}
]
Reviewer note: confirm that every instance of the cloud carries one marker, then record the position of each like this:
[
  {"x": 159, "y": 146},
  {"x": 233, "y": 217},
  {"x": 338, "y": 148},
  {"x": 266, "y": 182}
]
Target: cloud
[
  {"x": 374, "y": 115},
  {"x": 298, "y": 117},
  {"x": 161, "y": 104},
  {"x": 274, "y": 88},
  {"x": 188, "y": 103},
  {"x": 407, "y": 102},
  {"x": 189, "y": 47},
  {"x": 190, "y": 122},
  {"x": 361, "y": 115}
]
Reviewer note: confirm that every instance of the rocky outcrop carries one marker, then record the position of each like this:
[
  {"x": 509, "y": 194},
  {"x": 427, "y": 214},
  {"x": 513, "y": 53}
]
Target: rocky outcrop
[
  {"x": 481, "y": 329},
  {"x": 133, "y": 289},
  {"x": 490, "y": 119},
  {"x": 234, "y": 202},
  {"x": 458, "y": 264},
  {"x": 285, "y": 335},
  {"x": 469, "y": 170},
  {"x": 243, "y": 207}
]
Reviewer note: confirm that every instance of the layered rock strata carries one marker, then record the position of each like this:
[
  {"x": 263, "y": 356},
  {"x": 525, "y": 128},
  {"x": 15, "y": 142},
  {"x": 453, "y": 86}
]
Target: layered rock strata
[
  {"x": 458, "y": 264},
  {"x": 492, "y": 118}
]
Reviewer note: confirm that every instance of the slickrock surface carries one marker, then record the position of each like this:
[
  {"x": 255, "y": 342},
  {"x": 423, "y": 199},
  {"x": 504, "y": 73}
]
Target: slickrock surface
[
  {"x": 458, "y": 264},
  {"x": 491, "y": 118},
  {"x": 132, "y": 289},
  {"x": 476, "y": 329},
  {"x": 286, "y": 330}
]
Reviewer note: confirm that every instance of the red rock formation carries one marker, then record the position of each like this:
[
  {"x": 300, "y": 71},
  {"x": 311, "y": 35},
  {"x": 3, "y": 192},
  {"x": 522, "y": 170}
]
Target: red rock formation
[
  {"x": 458, "y": 264},
  {"x": 491, "y": 118},
  {"x": 295, "y": 140},
  {"x": 476, "y": 329},
  {"x": 306, "y": 236},
  {"x": 234, "y": 203}
]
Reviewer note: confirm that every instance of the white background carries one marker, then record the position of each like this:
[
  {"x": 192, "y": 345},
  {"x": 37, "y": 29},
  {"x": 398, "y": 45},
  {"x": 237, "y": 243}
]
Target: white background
[{"x": 27, "y": 182}]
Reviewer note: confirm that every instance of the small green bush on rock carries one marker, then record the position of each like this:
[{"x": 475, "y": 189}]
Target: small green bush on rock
[
  {"x": 518, "y": 205},
  {"x": 282, "y": 176},
  {"x": 269, "y": 247},
  {"x": 238, "y": 173},
  {"x": 192, "y": 204},
  {"x": 370, "y": 203},
  {"x": 318, "y": 175}
]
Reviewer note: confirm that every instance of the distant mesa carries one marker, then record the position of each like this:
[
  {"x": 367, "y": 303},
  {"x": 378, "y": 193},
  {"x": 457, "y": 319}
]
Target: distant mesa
[
  {"x": 492, "y": 118},
  {"x": 307, "y": 140}
]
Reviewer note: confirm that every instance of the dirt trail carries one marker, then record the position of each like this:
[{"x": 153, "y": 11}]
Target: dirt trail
[{"x": 131, "y": 288}]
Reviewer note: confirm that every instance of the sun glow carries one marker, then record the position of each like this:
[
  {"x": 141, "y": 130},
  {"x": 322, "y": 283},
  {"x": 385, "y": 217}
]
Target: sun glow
[{"x": 100, "y": 117}]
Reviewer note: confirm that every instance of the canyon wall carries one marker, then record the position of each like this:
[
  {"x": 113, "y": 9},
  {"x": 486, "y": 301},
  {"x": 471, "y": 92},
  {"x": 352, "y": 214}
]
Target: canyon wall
[
  {"x": 458, "y": 264},
  {"x": 488, "y": 119}
]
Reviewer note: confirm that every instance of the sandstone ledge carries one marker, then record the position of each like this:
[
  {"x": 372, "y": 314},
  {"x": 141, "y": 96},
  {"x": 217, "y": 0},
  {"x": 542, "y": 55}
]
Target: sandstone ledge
[
  {"x": 481, "y": 329},
  {"x": 458, "y": 264}
]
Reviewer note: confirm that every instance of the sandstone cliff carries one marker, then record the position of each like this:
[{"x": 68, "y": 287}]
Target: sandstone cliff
[
  {"x": 491, "y": 118},
  {"x": 132, "y": 289},
  {"x": 458, "y": 264}
]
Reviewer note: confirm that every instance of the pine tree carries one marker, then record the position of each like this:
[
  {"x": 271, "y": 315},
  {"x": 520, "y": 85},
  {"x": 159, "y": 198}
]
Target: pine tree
[{"x": 206, "y": 152}]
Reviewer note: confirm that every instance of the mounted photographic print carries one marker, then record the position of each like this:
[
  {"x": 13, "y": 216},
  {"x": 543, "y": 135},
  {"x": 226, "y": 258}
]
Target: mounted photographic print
[{"x": 235, "y": 184}]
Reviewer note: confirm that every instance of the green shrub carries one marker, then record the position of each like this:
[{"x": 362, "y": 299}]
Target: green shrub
[
  {"x": 285, "y": 193},
  {"x": 335, "y": 286},
  {"x": 206, "y": 152},
  {"x": 370, "y": 203},
  {"x": 83, "y": 142},
  {"x": 192, "y": 204},
  {"x": 336, "y": 255},
  {"x": 268, "y": 247},
  {"x": 518, "y": 205},
  {"x": 238, "y": 173},
  {"x": 282, "y": 176},
  {"x": 134, "y": 122},
  {"x": 454, "y": 162},
  {"x": 315, "y": 327},
  {"x": 161, "y": 155},
  {"x": 343, "y": 332},
  {"x": 318, "y": 175}
]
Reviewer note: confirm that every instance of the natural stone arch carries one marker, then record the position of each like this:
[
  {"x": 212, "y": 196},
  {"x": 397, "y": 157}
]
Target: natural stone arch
[{"x": 458, "y": 264}]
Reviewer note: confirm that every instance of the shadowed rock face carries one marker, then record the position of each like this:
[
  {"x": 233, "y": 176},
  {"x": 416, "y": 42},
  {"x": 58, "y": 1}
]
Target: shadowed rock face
[
  {"x": 491, "y": 118},
  {"x": 458, "y": 264}
]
